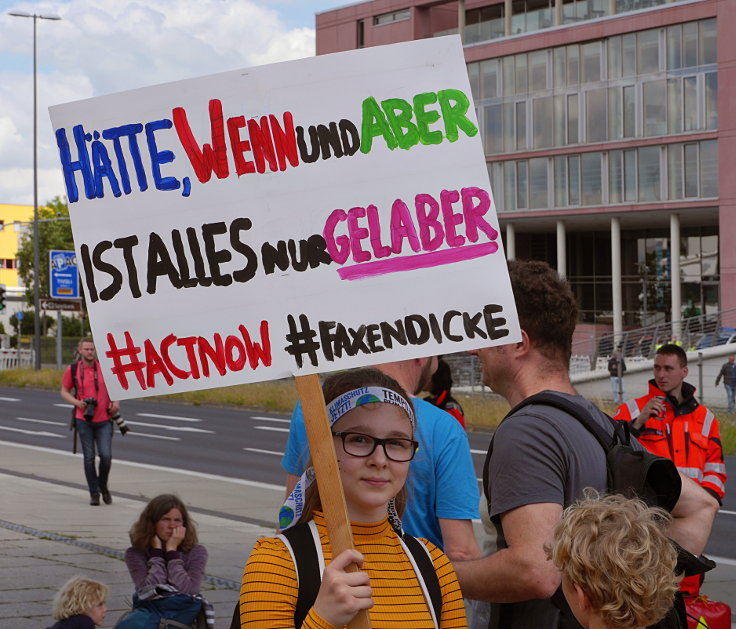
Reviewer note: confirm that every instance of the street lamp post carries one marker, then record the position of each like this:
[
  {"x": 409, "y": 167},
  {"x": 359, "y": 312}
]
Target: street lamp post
[{"x": 36, "y": 265}]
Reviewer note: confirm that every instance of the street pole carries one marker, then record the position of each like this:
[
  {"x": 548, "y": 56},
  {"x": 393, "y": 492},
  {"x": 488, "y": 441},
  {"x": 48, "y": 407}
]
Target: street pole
[{"x": 36, "y": 263}]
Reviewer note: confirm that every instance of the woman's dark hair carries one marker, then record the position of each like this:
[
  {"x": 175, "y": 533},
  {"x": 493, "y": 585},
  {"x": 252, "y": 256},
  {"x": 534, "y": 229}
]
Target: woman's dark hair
[
  {"x": 144, "y": 529},
  {"x": 333, "y": 387},
  {"x": 442, "y": 379}
]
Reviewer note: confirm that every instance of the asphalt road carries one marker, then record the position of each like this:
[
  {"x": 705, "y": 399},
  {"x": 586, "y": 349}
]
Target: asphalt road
[{"x": 225, "y": 441}]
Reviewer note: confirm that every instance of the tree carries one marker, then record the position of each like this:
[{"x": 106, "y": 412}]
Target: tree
[{"x": 52, "y": 235}]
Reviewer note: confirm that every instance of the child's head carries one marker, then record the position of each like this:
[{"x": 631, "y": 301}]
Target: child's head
[
  {"x": 144, "y": 529},
  {"x": 359, "y": 414},
  {"x": 81, "y": 596},
  {"x": 616, "y": 561}
]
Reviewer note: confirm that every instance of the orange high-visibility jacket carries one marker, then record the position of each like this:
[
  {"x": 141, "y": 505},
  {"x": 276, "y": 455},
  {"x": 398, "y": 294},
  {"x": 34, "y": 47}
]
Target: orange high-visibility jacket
[{"x": 688, "y": 434}]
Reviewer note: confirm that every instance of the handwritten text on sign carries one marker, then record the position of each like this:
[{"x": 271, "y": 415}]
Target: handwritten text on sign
[{"x": 294, "y": 218}]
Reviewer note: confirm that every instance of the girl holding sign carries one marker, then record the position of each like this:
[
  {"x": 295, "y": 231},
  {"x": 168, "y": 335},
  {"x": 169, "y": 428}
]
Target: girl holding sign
[{"x": 400, "y": 579}]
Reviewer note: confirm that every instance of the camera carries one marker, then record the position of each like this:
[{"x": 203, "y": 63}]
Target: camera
[
  {"x": 89, "y": 411},
  {"x": 120, "y": 423}
]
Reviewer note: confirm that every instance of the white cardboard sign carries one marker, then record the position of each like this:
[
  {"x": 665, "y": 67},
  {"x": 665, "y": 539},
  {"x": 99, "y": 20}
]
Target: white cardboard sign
[{"x": 294, "y": 218}]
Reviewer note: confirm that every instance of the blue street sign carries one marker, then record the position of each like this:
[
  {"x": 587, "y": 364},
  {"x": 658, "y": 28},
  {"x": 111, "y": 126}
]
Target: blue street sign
[
  {"x": 19, "y": 315},
  {"x": 63, "y": 275}
]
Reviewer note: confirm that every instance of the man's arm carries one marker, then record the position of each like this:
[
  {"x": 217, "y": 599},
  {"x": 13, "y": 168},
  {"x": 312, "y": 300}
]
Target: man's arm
[
  {"x": 458, "y": 539},
  {"x": 522, "y": 571},
  {"x": 66, "y": 395},
  {"x": 291, "y": 481},
  {"x": 692, "y": 517},
  {"x": 720, "y": 374}
]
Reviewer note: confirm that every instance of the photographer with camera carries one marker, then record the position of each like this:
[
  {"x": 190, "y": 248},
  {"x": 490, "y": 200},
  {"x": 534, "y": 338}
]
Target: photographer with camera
[{"x": 93, "y": 415}]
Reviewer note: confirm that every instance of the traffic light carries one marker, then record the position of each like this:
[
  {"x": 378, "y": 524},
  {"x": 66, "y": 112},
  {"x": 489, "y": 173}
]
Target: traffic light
[{"x": 2, "y": 297}]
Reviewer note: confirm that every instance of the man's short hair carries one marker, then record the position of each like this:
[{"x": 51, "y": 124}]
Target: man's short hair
[
  {"x": 616, "y": 550},
  {"x": 670, "y": 349},
  {"x": 85, "y": 339},
  {"x": 547, "y": 309}
]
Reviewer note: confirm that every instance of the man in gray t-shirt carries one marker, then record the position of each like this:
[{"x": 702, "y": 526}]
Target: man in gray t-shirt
[{"x": 542, "y": 459}]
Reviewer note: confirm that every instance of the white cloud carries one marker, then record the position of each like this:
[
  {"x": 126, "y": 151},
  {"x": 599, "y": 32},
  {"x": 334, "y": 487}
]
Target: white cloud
[{"x": 102, "y": 47}]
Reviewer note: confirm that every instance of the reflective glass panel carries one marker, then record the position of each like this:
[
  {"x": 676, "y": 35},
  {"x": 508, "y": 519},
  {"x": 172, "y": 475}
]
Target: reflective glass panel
[
  {"x": 543, "y": 127},
  {"x": 674, "y": 105},
  {"x": 538, "y": 70},
  {"x": 691, "y": 170},
  {"x": 615, "y": 177},
  {"x": 648, "y": 51},
  {"x": 709, "y": 168},
  {"x": 595, "y": 115},
  {"x": 489, "y": 78},
  {"x": 674, "y": 171},
  {"x": 690, "y": 45},
  {"x": 573, "y": 179},
  {"x": 711, "y": 100},
  {"x": 655, "y": 107},
  {"x": 707, "y": 40},
  {"x": 649, "y": 173},
  {"x": 591, "y": 56},
  {"x": 560, "y": 165},
  {"x": 630, "y": 175},
  {"x": 690, "y": 91},
  {"x": 591, "y": 178},
  {"x": 538, "y": 183},
  {"x": 521, "y": 125},
  {"x": 521, "y": 185},
  {"x": 572, "y": 119},
  {"x": 629, "y": 111}
]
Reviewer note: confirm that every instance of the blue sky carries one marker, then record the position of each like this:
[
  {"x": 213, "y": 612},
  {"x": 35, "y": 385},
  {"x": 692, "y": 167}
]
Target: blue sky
[{"x": 106, "y": 46}]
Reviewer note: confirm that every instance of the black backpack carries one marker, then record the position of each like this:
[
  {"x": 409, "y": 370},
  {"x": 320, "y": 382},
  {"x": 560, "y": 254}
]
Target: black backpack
[
  {"x": 632, "y": 473},
  {"x": 304, "y": 553}
]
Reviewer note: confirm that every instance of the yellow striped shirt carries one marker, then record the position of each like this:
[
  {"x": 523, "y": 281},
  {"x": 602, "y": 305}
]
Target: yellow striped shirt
[{"x": 268, "y": 593}]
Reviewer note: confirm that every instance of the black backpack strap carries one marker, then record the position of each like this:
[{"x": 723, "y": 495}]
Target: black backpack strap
[
  {"x": 73, "y": 367},
  {"x": 620, "y": 434},
  {"x": 427, "y": 572},
  {"x": 306, "y": 561}
]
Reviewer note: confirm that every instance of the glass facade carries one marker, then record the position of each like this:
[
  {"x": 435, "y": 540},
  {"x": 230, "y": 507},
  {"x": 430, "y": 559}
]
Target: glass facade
[
  {"x": 649, "y": 84},
  {"x": 646, "y": 271}
]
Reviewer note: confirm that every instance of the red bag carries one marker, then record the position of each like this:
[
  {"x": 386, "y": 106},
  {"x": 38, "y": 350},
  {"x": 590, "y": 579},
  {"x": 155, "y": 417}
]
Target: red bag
[{"x": 703, "y": 613}]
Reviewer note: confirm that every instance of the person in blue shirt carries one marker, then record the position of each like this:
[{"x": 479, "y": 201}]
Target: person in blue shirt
[{"x": 443, "y": 490}]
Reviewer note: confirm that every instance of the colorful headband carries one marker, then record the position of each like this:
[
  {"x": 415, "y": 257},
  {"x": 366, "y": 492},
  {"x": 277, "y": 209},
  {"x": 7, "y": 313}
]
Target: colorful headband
[{"x": 292, "y": 509}]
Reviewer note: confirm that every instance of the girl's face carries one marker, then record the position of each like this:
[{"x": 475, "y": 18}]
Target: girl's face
[
  {"x": 168, "y": 522},
  {"x": 370, "y": 482},
  {"x": 97, "y": 613}
]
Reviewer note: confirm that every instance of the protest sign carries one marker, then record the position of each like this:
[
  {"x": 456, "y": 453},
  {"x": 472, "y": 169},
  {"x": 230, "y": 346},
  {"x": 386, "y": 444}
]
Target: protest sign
[{"x": 296, "y": 218}]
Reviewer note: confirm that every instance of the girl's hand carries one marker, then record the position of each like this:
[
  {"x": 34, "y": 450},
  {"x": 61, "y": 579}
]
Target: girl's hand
[
  {"x": 342, "y": 594},
  {"x": 177, "y": 537},
  {"x": 156, "y": 542}
]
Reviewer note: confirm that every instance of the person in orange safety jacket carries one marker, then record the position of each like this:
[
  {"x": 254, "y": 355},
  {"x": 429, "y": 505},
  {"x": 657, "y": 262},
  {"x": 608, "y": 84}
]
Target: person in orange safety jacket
[{"x": 670, "y": 422}]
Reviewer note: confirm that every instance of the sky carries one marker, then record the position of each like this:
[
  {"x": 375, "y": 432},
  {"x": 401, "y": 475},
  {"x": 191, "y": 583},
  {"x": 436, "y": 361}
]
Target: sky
[{"x": 107, "y": 46}]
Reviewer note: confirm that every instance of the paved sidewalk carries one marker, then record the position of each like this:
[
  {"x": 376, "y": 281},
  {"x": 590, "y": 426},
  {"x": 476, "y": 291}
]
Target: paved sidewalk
[{"x": 48, "y": 532}]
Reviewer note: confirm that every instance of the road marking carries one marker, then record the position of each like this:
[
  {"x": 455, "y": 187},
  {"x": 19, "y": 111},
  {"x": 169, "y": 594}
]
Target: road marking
[
  {"x": 727, "y": 512},
  {"x": 35, "y": 433},
  {"x": 271, "y": 419},
  {"x": 263, "y": 451},
  {"x": 161, "y": 468},
  {"x": 182, "y": 419},
  {"x": 479, "y": 451},
  {"x": 723, "y": 560},
  {"x": 40, "y": 421},
  {"x": 273, "y": 428},
  {"x": 176, "y": 428},
  {"x": 9, "y": 399},
  {"x": 64, "y": 405},
  {"x": 143, "y": 434}
]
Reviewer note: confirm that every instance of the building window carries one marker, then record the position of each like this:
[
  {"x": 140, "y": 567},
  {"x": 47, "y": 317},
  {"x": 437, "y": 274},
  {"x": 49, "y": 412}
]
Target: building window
[
  {"x": 649, "y": 173},
  {"x": 484, "y": 24},
  {"x": 390, "y": 18},
  {"x": 360, "y": 35}
]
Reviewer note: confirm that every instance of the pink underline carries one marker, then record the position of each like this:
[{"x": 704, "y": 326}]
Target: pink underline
[{"x": 420, "y": 261}]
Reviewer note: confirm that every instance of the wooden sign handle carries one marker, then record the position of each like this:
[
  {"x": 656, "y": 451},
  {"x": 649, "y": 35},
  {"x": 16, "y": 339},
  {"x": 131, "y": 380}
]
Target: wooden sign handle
[{"x": 328, "y": 475}]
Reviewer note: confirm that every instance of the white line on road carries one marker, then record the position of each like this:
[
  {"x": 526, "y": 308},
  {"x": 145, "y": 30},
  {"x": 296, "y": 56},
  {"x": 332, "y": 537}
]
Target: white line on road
[
  {"x": 41, "y": 421},
  {"x": 263, "y": 451},
  {"x": 143, "y": 434},
  {"x": 723, "y": 560},
  {"x": 148, "y": 466},
  {"x": 271, "y": 419},
  {"x": 727, "y": 512},
  {"x": 478, "y": 451},
  {"x": 35, "y": 433},
  {"x": 64, "y": 405},
  {"x": 175, "y": 428},
  {"x": 9, "y": 399},
  {"x": 182, "y": 419},
  {"x": 273, "y": 428}
]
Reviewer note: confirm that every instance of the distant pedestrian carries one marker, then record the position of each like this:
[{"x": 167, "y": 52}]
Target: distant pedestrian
[
  {"x": 164, "y": 547},
  {"x": 728, "y": 373},
  {"x": 440, "y": 389},
  {"x": 80, "y": 603},
  {"x": 617, "y": 565},
  {"x": 92, "y": 417},
  {"x": 617, "y": 369}
]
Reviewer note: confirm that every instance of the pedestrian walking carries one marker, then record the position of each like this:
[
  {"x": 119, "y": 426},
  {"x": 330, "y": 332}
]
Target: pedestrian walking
[
  {"x": 617, "y": 369},
  {"x": 728, "y": 373},
  {"x": 84, "y": 387}
]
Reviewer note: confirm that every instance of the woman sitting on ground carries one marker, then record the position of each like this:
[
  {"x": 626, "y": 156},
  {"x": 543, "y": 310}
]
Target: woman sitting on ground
[
  {"x": 373, "y": 430},
  {"x": 164, "y": 547}
]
